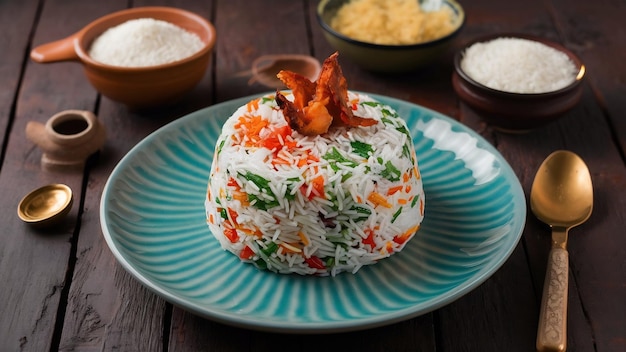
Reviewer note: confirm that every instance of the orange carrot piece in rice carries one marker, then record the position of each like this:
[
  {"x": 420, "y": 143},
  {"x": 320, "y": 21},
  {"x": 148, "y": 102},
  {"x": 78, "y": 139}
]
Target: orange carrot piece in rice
[
  {"x": 402, "y": 238},
  {"x": 378, "y": 199},
  {"x": 394, "y": 190},
  {"x": 304, "y": 238},
  {"x": 241, "y": 197},
  {"x": 318, "y": 186}
]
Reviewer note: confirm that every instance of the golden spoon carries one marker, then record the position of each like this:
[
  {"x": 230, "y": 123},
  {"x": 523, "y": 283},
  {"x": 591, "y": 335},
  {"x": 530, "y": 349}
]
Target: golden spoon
[{"x": 562, "y": 197}]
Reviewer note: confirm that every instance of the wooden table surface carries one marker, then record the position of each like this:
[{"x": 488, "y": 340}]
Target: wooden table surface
[{"x": 62, "y": 289}]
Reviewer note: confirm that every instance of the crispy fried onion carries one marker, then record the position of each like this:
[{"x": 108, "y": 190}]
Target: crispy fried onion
[{"x": 318, "y": 105}]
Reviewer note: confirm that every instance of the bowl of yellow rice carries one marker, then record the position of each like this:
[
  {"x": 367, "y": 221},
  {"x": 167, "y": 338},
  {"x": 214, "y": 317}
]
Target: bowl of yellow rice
[{"x": 390, "y": 36}]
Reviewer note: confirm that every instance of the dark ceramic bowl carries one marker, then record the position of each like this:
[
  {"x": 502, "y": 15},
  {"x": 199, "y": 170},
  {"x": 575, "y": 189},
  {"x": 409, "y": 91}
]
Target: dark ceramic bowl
[
  {"x": 517, "y": 112},
  {"x": 386, "y": 58},
  {"x": 136, "y": 87}
]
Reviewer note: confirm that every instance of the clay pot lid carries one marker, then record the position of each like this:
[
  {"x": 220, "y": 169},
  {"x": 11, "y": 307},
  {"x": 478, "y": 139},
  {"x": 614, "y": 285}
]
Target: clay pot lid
[{"x": 45, "y": 205}]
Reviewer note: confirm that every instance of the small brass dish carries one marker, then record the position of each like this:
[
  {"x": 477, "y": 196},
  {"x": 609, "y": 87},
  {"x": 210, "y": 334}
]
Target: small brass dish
[{"x": 45, "y": 205}]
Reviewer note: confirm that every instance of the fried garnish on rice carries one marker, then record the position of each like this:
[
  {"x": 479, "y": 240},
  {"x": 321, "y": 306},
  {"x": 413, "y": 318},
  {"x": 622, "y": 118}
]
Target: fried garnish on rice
[{"x": 321, "y": 104}]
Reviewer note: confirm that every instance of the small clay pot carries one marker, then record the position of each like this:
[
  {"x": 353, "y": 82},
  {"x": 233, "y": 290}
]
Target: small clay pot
[
  {"x": 517, "y": 112},
  {"x": 67, "y": 139}
]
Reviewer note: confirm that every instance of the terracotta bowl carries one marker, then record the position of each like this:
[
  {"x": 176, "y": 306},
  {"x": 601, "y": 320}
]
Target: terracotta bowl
[
  {"x": 516, "y": 112},
  {"x": 136, "y": 87},
  {"x": 386, "y": 58}
]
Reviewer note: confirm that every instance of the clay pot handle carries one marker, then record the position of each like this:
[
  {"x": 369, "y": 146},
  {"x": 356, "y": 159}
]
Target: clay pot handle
[{"x": 60, "y": 50}]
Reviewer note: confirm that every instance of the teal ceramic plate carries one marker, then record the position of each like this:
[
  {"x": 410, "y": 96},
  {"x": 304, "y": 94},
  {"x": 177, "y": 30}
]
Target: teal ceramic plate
[{"x": 153, "y": 219}]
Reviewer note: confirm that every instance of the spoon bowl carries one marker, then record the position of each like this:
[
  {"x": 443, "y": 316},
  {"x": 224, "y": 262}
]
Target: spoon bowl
[
  {"x": 562, "y": 193},
  {"x": 266, "y": 67},
  {"x": 562, "y": 197}
]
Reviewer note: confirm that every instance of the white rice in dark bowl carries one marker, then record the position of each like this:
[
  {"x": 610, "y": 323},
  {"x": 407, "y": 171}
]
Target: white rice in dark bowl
[{"x": 314, "y": 205}]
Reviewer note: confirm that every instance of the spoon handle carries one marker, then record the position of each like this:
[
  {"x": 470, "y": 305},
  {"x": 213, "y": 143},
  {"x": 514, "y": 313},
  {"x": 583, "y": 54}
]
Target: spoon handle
[{"x": 552, "y": 330}]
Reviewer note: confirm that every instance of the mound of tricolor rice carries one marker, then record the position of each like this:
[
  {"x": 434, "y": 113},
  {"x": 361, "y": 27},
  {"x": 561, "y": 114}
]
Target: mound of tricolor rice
[{"x": 316, "y": 205}]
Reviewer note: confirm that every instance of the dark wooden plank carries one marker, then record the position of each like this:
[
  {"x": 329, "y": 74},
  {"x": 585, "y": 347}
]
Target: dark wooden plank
[
  {"x": 499, "y": 315},
  {"x": 191, "y": 333},
  {"x": 595, "y": 31},
  {"x": 243, "y": 37},
  {"x": 39, "y": 259},
  {"x": 406, "y": 336},
  {"x": 14, "y": 48}
]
